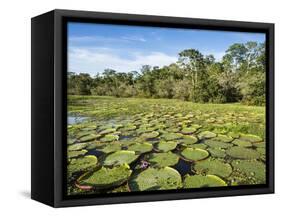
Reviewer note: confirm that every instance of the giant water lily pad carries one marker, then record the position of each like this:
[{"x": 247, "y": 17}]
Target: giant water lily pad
[
  {"x": 217, "y": 144},
  {"x": 213, "y": 166},
  {"x": 149, "y": 135},
  {"x": 77, "y": 146},
  {"x": 223, "y": 138},
  {"x": 156, "y": 179},
  {"x": 166, "y": 146},
  {"x": 171, "y": 136},
  {"x": 188, "y": 139},
  {"x": 111, "y": 147},
  {"x": 89, "y": 137},
  {"x": 188, "y": 130},
  {"x": 106, "y": 177},
  {"x": 163, "y": 159},
  {"x": 198, "y": 145},
  {"x": 251, "y": 169},
  {"x": 120, "y": 157},
  {"x": 107, "y": 131},
  {"x": 250, "y": 138},
  {"x": 141, "y": 148},
  {"x": 202, "y": 181},
  {"x": 243, "y": 153},
  {"x": 241, "y": 143},
  {"x": 217, "y": 152},
  {"x": 82, "y": 164},
  {"x": 206, "y": 135},
  {"x": 73, "y": 154},
  {"x": 194, "y": 154},
  {"x": 109, "y": 138}
]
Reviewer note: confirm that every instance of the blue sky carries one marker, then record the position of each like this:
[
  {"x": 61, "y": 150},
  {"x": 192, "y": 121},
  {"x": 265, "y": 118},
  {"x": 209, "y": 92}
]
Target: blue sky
[{"x": 95, "y": 47}]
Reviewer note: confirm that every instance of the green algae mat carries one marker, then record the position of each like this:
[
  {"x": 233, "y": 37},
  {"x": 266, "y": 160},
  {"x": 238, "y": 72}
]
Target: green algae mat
[{"x": 131, "y": 144}]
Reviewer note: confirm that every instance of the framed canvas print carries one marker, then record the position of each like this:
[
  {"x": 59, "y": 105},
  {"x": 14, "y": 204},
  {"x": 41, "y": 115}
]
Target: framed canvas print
[{"x": 131, "y": 108}]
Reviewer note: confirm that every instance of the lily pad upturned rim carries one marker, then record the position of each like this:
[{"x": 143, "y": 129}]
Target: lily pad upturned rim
[
  {"x": 115, "y": 158},
  {"x": 202, "y": 181},
  {"x": 194, "y": 154}
]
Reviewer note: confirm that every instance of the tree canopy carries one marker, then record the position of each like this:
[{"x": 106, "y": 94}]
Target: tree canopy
[{"x": 238, "y": 77}]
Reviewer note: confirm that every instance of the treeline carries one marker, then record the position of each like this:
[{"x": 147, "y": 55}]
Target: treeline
[{"x": 238, "y": 77}]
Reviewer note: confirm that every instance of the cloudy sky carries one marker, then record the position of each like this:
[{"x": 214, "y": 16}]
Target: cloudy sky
[{"x": 95, "y": 47}]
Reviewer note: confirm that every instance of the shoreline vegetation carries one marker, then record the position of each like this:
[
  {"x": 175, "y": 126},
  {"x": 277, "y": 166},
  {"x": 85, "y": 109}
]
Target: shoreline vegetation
[{"x": 238, "y": 77}]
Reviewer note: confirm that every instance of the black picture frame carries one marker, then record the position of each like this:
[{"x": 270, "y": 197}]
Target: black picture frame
[{"x": 49, "y": 108}]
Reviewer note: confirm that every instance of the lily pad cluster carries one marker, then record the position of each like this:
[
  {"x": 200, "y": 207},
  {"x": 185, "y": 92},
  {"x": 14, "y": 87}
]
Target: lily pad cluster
[{"x": 155, "y": 145}]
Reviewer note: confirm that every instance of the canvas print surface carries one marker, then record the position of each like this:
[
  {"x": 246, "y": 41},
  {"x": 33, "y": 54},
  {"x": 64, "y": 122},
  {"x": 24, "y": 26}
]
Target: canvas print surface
[{"x": 154, "y": 109}]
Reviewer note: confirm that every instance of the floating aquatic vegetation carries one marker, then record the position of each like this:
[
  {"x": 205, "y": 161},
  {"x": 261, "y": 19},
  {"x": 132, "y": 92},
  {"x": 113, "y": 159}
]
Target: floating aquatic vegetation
[
  {"x": 77, "y": 146},
  {"x": 202, "y": 181},
  {"x": 82, "y": 164},
  {"x": 73, "y": 154},
  {"x": 107, "y": 131},
  {"x": 194, "y": 154},
  {"x": 156, "y": 179},
  {"x": 89, "y": 137},
  {"x": 223, "y": 138},
  {"x": 188, "y": 130},
  {"x": 188, "y": 140},
  {"x": 70, "y": 141},
  {"x": 217, "y": 144},
  {"x": 106, "y": 177},
  {"x": 206, "y": 135},
  {"x": 251, "y": 169},
  {"x": 120, "y": 157},
  {"x": 212, "y": 166},
  {"x": 166, "y": 146},
  {"x": 217, "y": 152},
  {"x": 198, "y": 145},
  {"x": 110, "y": 147},
  {"x": 242, "y": 153},
  {"x": 150, "y": 135},
  {"x": 259, "y": 145},
  {"x": 250, "y": 138},
  {"x": 162, "y": 159},
  {"x": 109, "y": 138},
  {"x": 141, "y": 148},
  {"x": 242, "y": 143},
  {"x": 171, "y": 136},
  {"x": 234, "y": 135}
]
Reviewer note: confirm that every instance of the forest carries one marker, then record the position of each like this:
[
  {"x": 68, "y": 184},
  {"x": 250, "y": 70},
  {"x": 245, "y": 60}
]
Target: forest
[{"x": 238, "y": 77}]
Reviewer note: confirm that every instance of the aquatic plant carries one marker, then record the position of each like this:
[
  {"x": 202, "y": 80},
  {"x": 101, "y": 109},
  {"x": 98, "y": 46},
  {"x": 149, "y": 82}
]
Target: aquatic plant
[
  {"x": 109, "y": 138},
  {"x": 162, "y": 159},
  {"x": 243, "y": 153},
  {"x": 241, "y": 143},
  {"x": 82, "y": 164},
  {"x": 194, "y": 154},
  {"x": 206, "y": 135},
  {"x": 120, "y": 157},
  {"x": 171, "y": 136},
  {"x": 73, "y": 154},
  {"x": 203, "y": 181},
  {"x": 156, "y": 179},
  {"x": 217, "y": 144},
  {"x": 166, "y": 146},
  {"x": 140, "y": 148},
  {"x": 77, "y": 146}
]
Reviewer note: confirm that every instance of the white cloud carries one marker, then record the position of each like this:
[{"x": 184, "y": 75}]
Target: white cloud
[{"x": 93, "y": 60}]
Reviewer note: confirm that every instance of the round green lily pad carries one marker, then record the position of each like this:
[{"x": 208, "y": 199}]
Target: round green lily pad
[
  {"x": 194, "y": 154},
  {"x": 166, "y": 145},
  {"x": 163, "y": 159},
  {"x": 129, "y": 128},
  {"x": 213, "y": 166},
  {"x": 73, "y": 154},
  {"x": 82, "y": 164},
  {"x": 111, "y": 147},
  {"x": 251, "y": 168},
  {"x": 250, "y": 138},
  {"x": 234, "y": 135},
  {"x": 217, "y": 152},
  {"x": 77, "y": 146},
  {"x": 217, "y": 144},
  {"x": 150, "y": 135},
  {"x": 141, "y": 147},
  {"x": 259, "y": 144},
  {"x": 156, "y": 179},
  {"x": 188, "y": 140},
  {"x": 201, "y": 181},
  {"x": 243, "y": 153},
  {"x": 223, "y": 138},
  {"x": 198, "y": 145},
  {"x": 109, "y": 138},
  {"x": 206, "y": 135},
  {"x": 107, "y": 131},
  {"x": 188, "y": 130},
  {"x": 120, "y": 157},
  {"x": 171, "y": 136},
  {"x": 241, "y": 143},
  {"x": 106, "y": 177},
  {"x": 89, "y": 137}
]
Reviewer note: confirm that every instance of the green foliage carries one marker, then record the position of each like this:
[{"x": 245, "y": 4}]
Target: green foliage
[
  {"x": 120, "y": 157},
  {"x": 140, "y": 147},
  {"x": 163, "y": 159},
  {"x": 194, "y": 154},
  {"x": 201, "y": 181},
  {"x": 150, "y": 179},
  {"x": 243, "y": 153},
  {"x": 82, "y": 164},
  {"x": 166, "y": 146},
  {"x": 238, "y": 77}
]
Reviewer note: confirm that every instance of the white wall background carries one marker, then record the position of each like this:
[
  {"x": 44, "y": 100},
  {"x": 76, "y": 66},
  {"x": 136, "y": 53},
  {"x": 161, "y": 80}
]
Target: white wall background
[{"x": 15, "y": 106}]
